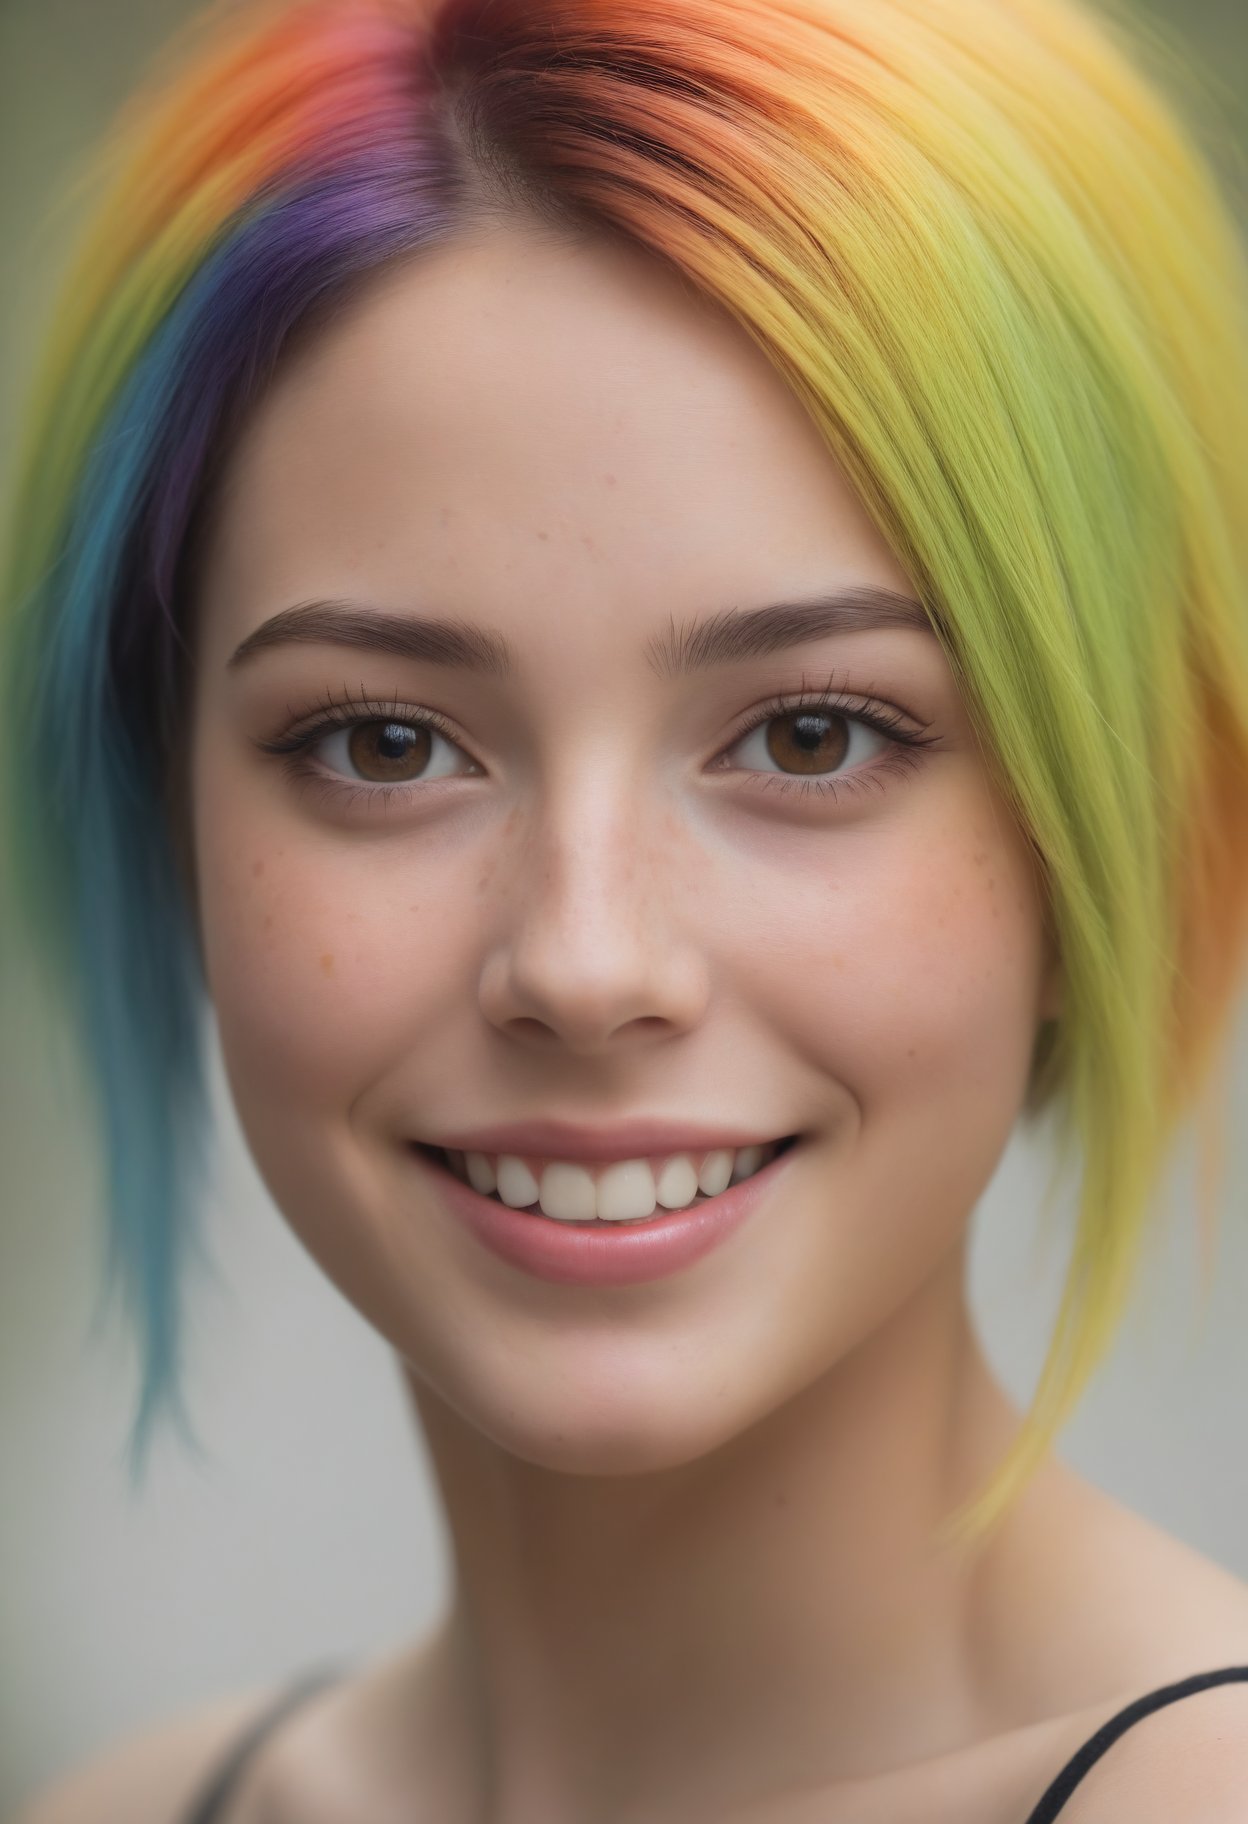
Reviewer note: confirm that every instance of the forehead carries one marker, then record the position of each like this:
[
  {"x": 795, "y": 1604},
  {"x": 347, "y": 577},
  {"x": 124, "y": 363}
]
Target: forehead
[{"x": 517, "y": 418}]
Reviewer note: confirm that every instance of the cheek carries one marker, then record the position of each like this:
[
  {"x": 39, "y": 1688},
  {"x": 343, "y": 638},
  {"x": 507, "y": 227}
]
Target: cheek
[
  {"x": 907, "y": 979},
  {"x": 306, "y": 945},
  {"x": 909, "y": 969}
]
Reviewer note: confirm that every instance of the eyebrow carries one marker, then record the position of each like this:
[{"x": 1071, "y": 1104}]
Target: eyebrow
[{"x": 727, "y": 637}]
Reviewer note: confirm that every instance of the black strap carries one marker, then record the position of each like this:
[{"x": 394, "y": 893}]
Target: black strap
[
  {"x": 1057, "y": 1794},
  {"x": 221, "y": 1782}
]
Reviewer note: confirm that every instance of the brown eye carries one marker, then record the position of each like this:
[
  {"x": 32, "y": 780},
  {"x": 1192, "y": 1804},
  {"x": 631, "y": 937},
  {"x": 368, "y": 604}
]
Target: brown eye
[
  {"x": 807, "y": 741},
  {"x": 388, "y": 753}
]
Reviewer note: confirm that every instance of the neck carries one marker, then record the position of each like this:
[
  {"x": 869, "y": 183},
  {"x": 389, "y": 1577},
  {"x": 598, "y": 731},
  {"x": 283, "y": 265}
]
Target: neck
[{"x": 775, "y": 1614}]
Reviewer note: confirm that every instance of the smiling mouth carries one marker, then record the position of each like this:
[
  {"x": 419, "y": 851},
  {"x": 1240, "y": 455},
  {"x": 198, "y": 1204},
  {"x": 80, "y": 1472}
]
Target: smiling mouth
[{"x": 453, "y": 1165}]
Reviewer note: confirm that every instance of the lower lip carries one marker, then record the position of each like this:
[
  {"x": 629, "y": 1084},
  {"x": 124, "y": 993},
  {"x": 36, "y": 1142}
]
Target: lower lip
[{"x": 604, "y": 1253}]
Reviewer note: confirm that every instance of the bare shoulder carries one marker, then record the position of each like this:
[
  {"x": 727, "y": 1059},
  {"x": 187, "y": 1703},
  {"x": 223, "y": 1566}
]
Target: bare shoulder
[
  {"x": 1114, "y": 1610},
  {"x": 150, "y": 1776},
  {"x": 1188, "y": 1759}
]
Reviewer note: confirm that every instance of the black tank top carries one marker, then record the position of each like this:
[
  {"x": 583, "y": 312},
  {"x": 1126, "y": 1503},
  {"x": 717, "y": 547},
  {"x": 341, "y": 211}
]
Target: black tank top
[{"x": 207, "y": 1807}]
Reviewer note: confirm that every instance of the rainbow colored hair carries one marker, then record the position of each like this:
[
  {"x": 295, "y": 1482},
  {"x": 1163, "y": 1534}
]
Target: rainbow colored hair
[{"x": 983, "y": 249}]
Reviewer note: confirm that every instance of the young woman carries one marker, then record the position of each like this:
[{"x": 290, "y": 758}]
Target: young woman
[{"x": 648, "y": 601}]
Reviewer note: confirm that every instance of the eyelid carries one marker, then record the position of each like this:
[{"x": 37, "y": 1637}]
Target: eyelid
[
  {"x": 877, "y": 712},
  {"x": 348, "y": 711},
  {"x": 865, "y": 705},
  {"x": 331, "y": 713}
]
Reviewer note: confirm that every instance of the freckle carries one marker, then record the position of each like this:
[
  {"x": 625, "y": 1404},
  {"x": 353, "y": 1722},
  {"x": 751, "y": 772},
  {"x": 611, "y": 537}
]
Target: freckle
[
  {"x": 911, "y": 1051},
  {"x": 610, "y": 480},
  {"x": 257, "y": 867},
  {"x": 327, "y": 962},
  {"x": 588, "y": 542},
  {"x": 544, "y": 536},
  {"x": 268, "y": 920},
  {"x": 782, "y": 1500}
]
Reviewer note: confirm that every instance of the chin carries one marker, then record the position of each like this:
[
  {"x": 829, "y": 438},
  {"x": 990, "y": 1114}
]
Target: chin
[
  {"x": 604, "y": 1453},
  {"x": 592, "y": 1430}
]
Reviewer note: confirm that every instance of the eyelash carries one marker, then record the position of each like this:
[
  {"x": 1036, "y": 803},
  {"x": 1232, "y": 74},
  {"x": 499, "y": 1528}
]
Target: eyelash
[{"x": 349, "y": 712}]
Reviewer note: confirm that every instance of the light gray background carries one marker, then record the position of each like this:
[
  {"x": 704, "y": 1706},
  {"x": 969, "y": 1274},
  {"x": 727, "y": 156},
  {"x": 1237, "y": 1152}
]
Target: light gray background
[{"x": 314, "y": 1533}]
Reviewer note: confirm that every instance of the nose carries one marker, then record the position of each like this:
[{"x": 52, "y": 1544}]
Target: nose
[{"x": 600, "y": 946}]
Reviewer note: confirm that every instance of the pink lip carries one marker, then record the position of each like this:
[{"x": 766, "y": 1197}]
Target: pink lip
[
  {"x": 601, "y": 1141},
  {"x": 603, "y": 1253}
]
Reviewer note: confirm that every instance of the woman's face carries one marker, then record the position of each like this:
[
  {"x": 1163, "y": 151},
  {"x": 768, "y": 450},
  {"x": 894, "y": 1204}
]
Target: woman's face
[{"x": 594, "y": 892}]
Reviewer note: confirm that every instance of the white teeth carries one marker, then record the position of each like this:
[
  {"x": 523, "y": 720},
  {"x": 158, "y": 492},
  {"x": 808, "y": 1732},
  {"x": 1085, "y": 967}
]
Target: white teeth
[
  {"x": 481, "y": 1174},
  {"x": 677, "y": 1183},
  {"x": 716, "y": 1172},
  {"x": 516, "y": 1184},
  {"x": 625, "y": 1191},
  {"x": 748, "y": 1161}
]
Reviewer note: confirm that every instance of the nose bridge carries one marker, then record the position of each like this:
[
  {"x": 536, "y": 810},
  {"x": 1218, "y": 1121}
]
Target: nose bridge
[
  {"x": 593, "y": 939},
  {"x": 592, "y": 884},
  {"x": 592, "y": 829}
]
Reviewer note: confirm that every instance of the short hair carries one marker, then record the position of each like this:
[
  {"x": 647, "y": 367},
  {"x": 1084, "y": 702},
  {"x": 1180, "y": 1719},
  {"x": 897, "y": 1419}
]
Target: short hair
[{"x": 980, "y": 244}]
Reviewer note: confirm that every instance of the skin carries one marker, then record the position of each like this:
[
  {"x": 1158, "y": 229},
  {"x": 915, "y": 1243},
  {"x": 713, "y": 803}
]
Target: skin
[{"x": 691, "y": 1520}]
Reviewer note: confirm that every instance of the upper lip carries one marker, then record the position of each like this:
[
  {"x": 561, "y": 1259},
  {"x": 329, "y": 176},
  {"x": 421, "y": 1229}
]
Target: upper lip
[{"x": 597, "y": 1141}]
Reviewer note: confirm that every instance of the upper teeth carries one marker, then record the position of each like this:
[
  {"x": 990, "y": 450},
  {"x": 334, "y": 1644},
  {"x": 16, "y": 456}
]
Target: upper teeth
[{"x": 624, "y": 1191}]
